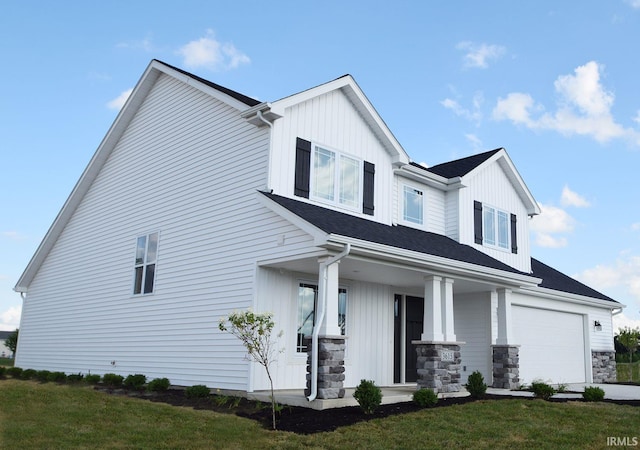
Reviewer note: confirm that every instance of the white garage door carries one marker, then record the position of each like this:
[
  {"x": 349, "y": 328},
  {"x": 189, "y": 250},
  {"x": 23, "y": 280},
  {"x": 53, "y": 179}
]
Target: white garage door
[{"x": 551, "y": 345}]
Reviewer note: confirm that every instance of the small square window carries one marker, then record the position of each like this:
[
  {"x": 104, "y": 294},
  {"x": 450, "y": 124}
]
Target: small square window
[{"x": 412, "y": 205}]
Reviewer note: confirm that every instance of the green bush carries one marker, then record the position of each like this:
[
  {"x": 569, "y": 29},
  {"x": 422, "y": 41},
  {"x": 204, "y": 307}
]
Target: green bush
[
  {"x": 112, "y": 379},
  {"x": 368, "y": 396},
  {"x": 425, "y": 398},
  {"x": 75, "y": 377},
  {"x": 593, "y": 394},
  {"x": 476, "y": 385},
  {"x": 28, "y": 374},
  {"x": 197, "y": 391},
  {"x": 542, "y": 390},
  {"x": 92, "y": 379},
  {"x": 14, "y": 372},
  {"x": 3, "y": 371},
  {"x": 136, "y": 381},
  {"x": 158, "y": 385},
  {"x": 57, "y": 377},
  {"x": 43, "y": 375}
]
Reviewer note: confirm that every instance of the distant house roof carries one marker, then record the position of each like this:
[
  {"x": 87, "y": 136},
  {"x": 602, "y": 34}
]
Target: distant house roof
[
  {"x": 461, "y": 167},
  {"x": 553, "y": 279},
  {"x": 335, "y": 222},
  {"x": 238, "y": 96}
]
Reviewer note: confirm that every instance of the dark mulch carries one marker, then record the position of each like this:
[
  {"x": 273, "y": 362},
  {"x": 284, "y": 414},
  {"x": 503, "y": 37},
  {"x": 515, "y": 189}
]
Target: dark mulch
[{"x": 306, "y": 420}]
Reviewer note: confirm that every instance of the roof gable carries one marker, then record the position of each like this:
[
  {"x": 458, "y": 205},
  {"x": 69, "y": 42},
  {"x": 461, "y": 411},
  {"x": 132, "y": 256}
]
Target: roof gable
[{"x": 461, "y": 167}]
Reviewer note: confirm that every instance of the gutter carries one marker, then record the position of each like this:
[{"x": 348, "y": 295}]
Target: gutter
[
  {"x": 262, "y": 118},
  {"x": 316, "y": 329}
]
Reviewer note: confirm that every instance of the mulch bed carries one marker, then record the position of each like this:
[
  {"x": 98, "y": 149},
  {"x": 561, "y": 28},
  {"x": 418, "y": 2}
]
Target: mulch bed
[{"x": 306, "y": 420}]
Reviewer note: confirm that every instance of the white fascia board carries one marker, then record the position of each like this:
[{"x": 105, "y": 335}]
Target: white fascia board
[
  {"x": 264, "y": 108},
  {"x": 353, "y": 92},
  {"x": 429, "y": 178},
  {"x": 316, "y": 233},
  {"x": 553, "y": 294},
  {"x": 90, "y": 173},
  {"x": 434, "y": 263}
]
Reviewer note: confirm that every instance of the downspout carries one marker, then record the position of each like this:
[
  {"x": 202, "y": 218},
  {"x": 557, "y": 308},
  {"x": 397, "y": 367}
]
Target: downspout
[
  {"x": 322, "y": 302},
  {"x": 261, "y": 117}
]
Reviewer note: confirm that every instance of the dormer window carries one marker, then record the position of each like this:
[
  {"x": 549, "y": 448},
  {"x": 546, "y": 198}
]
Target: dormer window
[{"x": 412, "y": 205}]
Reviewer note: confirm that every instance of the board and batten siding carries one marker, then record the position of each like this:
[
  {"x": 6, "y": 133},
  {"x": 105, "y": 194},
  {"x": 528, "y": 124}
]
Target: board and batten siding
[
  {"x": 433, "y": 210},
  {"x": 331, "y": 120},
  {"x": 491, "y": 186},
  {"x": 472, "y": 325},
  {"x": 188, "y": 167}
]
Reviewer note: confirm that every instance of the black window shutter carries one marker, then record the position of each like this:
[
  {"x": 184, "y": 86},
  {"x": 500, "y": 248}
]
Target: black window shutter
[
  {"x": 303, "y": 168},
  {"x": 477, "y": 221},
  {"x": 367, "y": 197},
  {"x": 514, "y": 234}
]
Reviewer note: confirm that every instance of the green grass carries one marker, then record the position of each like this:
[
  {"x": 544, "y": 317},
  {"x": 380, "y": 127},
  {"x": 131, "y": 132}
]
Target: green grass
[
  {"x": 34, "y": 415},
  {"x": 628, "y": 372},
  {"x": 6, "y": 362}
]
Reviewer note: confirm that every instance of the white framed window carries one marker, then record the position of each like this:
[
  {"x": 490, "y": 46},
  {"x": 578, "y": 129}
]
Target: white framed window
[
  {"x": 145, "y": 264},
  {"x": 496, "y": 227},
  {"x": 306, "y": 310},
  {"x": 336, "y": 178},
  {"x": 412, "y": 205}
]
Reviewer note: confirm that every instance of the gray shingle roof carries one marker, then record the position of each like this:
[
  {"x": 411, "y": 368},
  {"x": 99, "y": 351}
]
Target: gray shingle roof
[
  {"x": 460, "y": 167},
  {"x": 335, "y": 222}
]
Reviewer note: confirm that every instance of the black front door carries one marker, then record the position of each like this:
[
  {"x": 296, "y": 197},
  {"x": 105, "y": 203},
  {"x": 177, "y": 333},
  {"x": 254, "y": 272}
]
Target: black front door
[{"x": 413, "y": 332}]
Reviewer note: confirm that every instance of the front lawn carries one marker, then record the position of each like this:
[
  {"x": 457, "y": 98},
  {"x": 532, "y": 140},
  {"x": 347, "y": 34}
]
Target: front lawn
[
  {"x": 6, "y": 362},
  {"x": 34, "y": 415}
]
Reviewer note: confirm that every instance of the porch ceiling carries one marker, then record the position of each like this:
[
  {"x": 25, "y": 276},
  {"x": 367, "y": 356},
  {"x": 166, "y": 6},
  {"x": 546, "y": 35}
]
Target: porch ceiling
[{"x": 403, "y": 278}]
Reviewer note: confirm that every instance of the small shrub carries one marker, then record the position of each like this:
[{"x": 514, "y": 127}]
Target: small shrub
[
  {"x": 112, "y": 379},
  {"x": 136, "y": 381},
  {"x": 28, "y": 374},
  {"x": 476, "y": 385},
  {"x": 562, "y": 387},
  {"x": 75, "y": 378},
  {"x": 14, "y": 372},
  {"x": 3, "y": 371},
  {"x": 593, "y": 394},
  {"x": 57, "y": 377},
  {"x": 425, "y": 398},
  {"x": 197, "y": 391},
  {"x": 542, "y": 390},
  {"x": 158, "y": 385},
  {"x": 43, "y": 376},
  {"x": 92, "y": 379},
  {"x": 368, "y": 396}
]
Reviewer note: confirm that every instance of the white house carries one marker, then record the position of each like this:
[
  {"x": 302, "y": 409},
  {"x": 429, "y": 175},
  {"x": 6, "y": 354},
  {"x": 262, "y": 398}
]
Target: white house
[
  {"x": 5, "y": 352},
  {"x": 201, "y": 201}
]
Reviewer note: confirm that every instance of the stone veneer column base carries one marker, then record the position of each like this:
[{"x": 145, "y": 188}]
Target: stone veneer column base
[
  {"x": 330, "y": 367},
  {"x": 506, "y": 366},
  {"x": 438, "y": 365},
  {"x": 603, "y": 365}
]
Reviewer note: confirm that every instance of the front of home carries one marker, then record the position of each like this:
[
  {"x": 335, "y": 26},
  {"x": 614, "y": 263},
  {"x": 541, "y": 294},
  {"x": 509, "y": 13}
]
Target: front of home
[{"x": 201, "y": 201}]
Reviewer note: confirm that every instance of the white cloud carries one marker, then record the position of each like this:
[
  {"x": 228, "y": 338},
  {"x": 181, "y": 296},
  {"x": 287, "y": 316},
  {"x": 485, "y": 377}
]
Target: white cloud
[
  {"x": 120, "y": 100},
  {"x": 12, "y": 235},
  {"x": 472, "y": 114},
  {"x": 479, "y": 55},
  {"x": 474, "y": 140},
  {"x": 624, "y": 273},
  {"x": 549, "y": 223},
  {"x": 583, "y": 108},
  {"x": 636, "y": 119},
  {"x": 570, "y": 198},
  {"x": 634, "y": 3},
  {"x": 212, "y": 54},
  {"x": 635, "y": 226},
  {"x": 622, "y": 321},
  {"x": 10, "y": 319},
  {"x": 145, "y": 44}
]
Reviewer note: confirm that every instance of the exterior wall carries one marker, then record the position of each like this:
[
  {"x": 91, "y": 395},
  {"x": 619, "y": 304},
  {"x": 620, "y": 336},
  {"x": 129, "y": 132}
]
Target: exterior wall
[
  {"x": 188, "y": 167},
  {"x": 369, "y": 325},
  {"x": 452, "y": 215},
  {"x": 434, "y": 206},
  {"x": 330, "y": 120},
  {"x": 472, "y": 325},
  {"x": 491, "y": 186}
]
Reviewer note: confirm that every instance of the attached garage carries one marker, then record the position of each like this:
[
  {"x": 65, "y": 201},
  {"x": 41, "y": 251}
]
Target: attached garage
[{"x": 552, "y": 345}]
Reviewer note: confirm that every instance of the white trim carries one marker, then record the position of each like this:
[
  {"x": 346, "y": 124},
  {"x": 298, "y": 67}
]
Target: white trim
[{"x": 553, "y": 294}]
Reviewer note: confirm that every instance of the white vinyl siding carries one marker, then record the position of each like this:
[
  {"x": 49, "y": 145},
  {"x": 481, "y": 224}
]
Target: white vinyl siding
[
  {"x": 472, "y": 325},
  {"x": 169, "y": 171}
]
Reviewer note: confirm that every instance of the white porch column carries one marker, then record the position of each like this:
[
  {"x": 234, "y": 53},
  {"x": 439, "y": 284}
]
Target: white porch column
[
  {"x": 328, "y": 280},
  {"x": 432, "y": 322},
  {"x": 505, "y": 332},
  {"x": 447, "y": 310}
]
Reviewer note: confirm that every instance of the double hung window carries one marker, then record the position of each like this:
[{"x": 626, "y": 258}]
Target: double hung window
[
  {"x": 145, "y": 263},
  {"x": 306, "y": 310}
]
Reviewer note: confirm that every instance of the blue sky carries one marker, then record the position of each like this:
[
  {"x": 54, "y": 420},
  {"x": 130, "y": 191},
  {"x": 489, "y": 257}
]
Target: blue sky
[{"x": 555, "y": 83}]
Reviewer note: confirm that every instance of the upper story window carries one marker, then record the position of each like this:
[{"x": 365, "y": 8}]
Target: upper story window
[
  {"x": 145, "y": 263},
  {"x": 306, "y": 311},
  {"x": 495, "y": 228},
  {"x": 412, "y": 205},
  {"x": 335, "y": 177}
]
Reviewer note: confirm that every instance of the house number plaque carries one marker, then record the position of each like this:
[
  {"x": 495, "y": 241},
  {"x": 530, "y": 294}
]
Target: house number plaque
[{"x": 446, "y": 355}]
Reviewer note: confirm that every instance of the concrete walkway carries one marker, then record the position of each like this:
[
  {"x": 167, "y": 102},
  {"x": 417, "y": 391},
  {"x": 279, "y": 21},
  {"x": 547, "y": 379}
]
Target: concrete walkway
[{"x": 575, "y": 390}]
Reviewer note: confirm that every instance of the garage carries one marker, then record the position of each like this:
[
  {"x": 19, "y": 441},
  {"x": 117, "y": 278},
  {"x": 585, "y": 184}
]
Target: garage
[{"x": 552, "y": 345}]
